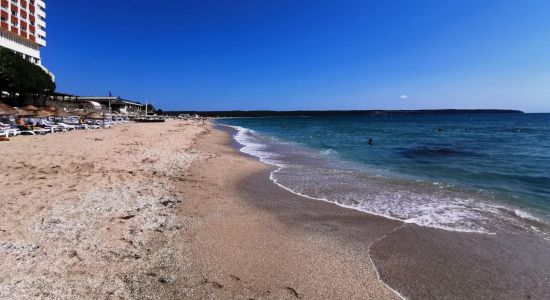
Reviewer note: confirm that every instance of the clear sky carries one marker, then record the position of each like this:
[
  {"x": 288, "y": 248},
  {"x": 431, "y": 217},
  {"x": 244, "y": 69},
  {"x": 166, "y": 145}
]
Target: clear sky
[{"x": 292, "y": 54}]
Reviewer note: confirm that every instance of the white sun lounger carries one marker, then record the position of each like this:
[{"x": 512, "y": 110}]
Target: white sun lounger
[
  {"x": 54, "y": 128},
  {"x": 66, "y": 127},
  {"x": 41, "y": 131},
  {"x": 10, "y": 132}
]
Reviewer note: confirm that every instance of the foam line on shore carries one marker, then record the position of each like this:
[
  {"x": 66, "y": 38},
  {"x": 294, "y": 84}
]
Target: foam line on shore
[
  {"x": 241, "y": 130},
  {"x": 389, "y": 273},
  {"x": 344, "y": 206},
  {"x": 274, "y": 180},
  {"x": 397, "y": 293},
  {"x": 452, "y": 212},
  {"x": 252, "y": 148}
]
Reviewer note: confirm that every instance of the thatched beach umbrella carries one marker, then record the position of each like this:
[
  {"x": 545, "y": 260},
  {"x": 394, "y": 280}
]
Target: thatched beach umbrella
[
  {"x": 62, "y": 113},
  {"x": 79, "y": 113},
  {"x": 94, "y": 116},
  {"x": 42, "y": 113},
  {"x": 7, "y": 110},
  {"x": 23, "y": 112},
  {"x": 30, "y": 108}
]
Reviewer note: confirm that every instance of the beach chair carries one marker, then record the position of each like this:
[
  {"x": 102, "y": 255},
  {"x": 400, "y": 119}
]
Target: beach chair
[
  {"x": 41, "y": 131},
  {"x": 27, "y": 132},
  {"x": 54, "y": 128},
  {"x": 44, "y": 123},
  {"x": 93, "y": 125},
  {"x": 66, "y": 127},
  {"x": 11, "y": 132}
]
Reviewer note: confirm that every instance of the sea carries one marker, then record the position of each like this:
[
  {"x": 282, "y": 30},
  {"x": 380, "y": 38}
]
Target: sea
[{"x": 483, "y": 173}]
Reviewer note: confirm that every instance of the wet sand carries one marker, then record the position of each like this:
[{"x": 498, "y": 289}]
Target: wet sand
[
  {"x": 425, "y": 263},
  {"x": 418, "y": 262},
  {"x": 258, "y": 240}
]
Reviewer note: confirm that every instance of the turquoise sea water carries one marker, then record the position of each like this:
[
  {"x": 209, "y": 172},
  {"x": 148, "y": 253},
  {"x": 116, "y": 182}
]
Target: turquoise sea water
[{"x": 479, "y": 172}]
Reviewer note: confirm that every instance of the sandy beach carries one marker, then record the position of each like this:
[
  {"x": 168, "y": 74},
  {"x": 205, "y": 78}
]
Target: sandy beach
[
  {"x": 85, "y": 214},
  {"x": 156, "y": 211},
  {"x": 254, "y": 150},
  {"x": 173, "y": 211}
]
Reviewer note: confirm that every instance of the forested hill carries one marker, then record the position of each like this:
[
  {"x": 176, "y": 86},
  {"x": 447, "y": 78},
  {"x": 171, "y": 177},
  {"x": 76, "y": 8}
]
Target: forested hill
[{"x": 313, "y": 113}]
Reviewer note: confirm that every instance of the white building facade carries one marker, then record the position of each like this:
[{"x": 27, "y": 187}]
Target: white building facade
[{"x": 23, "y": 27}]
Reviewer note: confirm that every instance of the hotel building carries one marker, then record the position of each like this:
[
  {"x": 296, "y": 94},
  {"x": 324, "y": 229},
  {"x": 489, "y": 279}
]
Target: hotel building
[{"x": 23, "y": 27}]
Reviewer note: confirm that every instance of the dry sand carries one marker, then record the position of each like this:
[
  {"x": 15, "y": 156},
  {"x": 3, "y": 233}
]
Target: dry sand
[
  {"x": 84, "y": 214},
  {"x": 155, "y": 211}
]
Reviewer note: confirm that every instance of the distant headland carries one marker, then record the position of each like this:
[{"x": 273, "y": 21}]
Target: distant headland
[{"x": 316, "y": 113}]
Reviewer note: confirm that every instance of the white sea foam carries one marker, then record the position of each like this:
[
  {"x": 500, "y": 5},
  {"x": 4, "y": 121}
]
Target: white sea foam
[
  {"x": 244, "y": 136},
  {"x": 438, "y": 206},
  {"x": 525, "y": 215},
  {"x": 328, "y": 152}
]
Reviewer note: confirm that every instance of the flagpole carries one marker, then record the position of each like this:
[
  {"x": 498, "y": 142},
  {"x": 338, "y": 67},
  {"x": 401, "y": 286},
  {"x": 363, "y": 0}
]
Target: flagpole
[{"x": 110, "y": 95}]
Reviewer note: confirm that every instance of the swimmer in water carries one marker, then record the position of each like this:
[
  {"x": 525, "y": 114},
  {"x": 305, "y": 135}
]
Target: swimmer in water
[{"x": 371, "y": 142}]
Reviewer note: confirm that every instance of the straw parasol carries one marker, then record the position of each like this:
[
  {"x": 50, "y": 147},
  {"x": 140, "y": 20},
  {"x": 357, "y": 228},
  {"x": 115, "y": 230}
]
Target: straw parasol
[
  {"x": 30, "y": 107},
  {"x": 42, "y": 113},
  {"x": 23, "y": 112},
  {"x": 78, "y": 113},
  {"x": 7, "y": 110},
  {"x": 62, "y": 113},
  {"x": 94, "y": 115}
]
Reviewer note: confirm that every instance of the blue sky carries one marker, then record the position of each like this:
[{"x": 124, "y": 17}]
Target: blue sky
[{"x": 288, "y": 55}]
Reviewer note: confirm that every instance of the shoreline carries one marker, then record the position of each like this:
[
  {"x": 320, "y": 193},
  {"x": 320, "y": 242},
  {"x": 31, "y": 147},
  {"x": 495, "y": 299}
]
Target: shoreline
[
  {"x": 175, "y": 210},
  {"x": 493, "y": 216},
  {"x": 455, "y": 251},
  {"x": 266, "y": 251}
]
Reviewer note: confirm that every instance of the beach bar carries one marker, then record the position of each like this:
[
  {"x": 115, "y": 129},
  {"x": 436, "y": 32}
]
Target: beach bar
[{"x": 114, "y": 104}]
